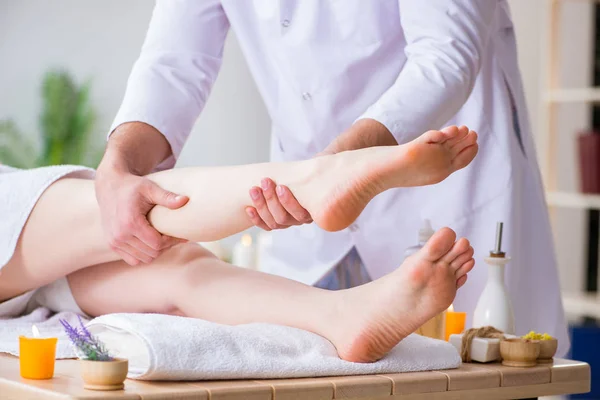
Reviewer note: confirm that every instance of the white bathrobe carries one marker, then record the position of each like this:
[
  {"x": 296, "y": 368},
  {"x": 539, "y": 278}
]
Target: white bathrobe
[{"x": 413, "y": 65}]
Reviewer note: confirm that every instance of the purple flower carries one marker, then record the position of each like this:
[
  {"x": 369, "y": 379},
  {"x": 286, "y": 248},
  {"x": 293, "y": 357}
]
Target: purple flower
[{"x": 90, "y": 346}]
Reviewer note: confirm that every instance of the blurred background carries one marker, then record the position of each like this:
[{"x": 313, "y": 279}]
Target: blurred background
[{"x": 65, "y": 65}]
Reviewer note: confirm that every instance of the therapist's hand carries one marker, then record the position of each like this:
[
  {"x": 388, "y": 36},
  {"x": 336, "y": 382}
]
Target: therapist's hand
[
  {"x": 125, "y": 197},
  {"x": 125, "y": 200},
  {"x": 275, "y": 207}
]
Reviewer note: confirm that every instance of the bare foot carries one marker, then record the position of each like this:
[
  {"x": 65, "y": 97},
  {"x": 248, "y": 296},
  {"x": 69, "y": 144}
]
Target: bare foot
[
  {"x": 427, "y": 160},
  {"x": 377, "y": 316}
]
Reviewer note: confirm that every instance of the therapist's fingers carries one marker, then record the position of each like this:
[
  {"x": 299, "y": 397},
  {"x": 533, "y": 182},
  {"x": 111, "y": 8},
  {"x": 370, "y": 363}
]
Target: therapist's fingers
[
  {"x": 291, "y": 205},
  {"x": 128, "y": 258},
  {"x": 279, "y": 213},
  {"x": 134, "y": 247},
  {"x": 144, "y": 253},
  {"x": 130, "y": 254},
  {"x": 159, "y": 196},
  {"x": 151, "y": 240},
  {"x": 255, "y": 218},
  {"x": 260, "y": 204}
]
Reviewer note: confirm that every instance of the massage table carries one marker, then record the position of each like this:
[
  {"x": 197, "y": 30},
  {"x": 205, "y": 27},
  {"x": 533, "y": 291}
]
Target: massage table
[{"x": 470, "y": 381}]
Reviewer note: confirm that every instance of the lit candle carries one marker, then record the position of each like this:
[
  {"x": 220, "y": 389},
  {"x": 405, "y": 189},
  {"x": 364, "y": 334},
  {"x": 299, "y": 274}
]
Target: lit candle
[
  {"x": 37, "y": 356},
  {"x": 455, "y": 322},
  {"x": 244, "y": 254}
]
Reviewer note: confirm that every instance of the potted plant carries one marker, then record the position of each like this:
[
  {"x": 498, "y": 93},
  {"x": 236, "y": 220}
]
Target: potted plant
[
  {"x": 66, "y": 125},
  {"x": 99, "y": 370}
]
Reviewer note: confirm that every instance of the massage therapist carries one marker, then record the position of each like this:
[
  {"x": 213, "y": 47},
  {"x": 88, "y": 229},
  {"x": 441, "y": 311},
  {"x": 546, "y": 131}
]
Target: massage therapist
[{"x": 338, "y": 75}]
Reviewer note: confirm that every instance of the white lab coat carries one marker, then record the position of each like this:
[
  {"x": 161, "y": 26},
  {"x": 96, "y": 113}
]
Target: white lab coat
[{"x": 413, "y": 65}]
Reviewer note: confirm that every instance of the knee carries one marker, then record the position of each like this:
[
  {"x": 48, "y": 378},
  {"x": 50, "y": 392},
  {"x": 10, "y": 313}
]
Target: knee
[{"x": 187, "y": 270}]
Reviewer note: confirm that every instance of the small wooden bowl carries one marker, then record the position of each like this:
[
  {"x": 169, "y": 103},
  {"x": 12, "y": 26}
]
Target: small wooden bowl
[
  {"x": 547, "y": 350},
  {"x": 519, "y": 352},
  {"x": 104, "y": 375}
]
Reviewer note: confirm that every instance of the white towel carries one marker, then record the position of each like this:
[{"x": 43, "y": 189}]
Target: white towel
[
  {"x": 161, "y": 347},
  {"x": 19, "y": 191}
]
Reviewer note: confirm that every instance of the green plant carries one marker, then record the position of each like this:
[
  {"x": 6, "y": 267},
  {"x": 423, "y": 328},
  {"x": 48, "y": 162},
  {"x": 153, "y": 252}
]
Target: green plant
[{"x": 66, "y": 123}]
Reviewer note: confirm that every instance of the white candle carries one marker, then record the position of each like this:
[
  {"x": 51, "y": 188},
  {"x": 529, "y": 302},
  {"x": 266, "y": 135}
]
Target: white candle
[
  {"x": 244, "y": 254},
  {"x": 36, "y": 331}
]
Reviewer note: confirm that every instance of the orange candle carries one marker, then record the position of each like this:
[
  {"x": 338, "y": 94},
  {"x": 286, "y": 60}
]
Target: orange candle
[
  {"x": 455, "y": 322},
  {"x": 37, "y": 356}
]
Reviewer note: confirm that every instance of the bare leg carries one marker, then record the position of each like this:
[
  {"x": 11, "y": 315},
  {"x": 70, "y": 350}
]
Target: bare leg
[
  {"x": 64, "y": 233},
  {"x": 364, "y": 323},
  {"x": 334, "y": 189}
]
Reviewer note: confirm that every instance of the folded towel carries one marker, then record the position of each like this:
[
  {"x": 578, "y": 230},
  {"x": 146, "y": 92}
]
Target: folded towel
[{"x": 162, "y": 347}]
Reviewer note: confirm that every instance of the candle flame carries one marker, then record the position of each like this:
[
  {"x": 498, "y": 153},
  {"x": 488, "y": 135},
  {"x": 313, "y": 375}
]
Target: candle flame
[
  {"x": 451, "y": 308},
  {"x": 246, "y": 240},
  {"x": 36, "y": 331}
]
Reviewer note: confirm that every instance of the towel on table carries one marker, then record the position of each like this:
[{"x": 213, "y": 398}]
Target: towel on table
[{"x": 162, "y": 347}]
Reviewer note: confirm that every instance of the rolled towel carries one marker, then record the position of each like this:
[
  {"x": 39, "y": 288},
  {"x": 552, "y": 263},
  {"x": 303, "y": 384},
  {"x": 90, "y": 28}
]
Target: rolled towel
[{"x": 162, "y": 347}]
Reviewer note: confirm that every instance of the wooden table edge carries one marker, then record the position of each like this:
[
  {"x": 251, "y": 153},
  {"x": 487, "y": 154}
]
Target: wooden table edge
[{"x": 499, "y": 393}]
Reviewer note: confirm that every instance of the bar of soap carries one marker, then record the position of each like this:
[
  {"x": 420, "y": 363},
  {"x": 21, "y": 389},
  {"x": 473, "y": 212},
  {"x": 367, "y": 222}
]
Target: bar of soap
[{"x": 482, "y": 349}]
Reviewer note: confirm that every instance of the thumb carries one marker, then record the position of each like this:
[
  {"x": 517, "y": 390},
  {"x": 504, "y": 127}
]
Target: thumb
[{"x": 159, "y": 196}]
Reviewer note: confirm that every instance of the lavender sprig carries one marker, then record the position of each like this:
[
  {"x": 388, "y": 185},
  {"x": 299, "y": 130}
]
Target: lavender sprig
[{"x": 90, "y": 346}]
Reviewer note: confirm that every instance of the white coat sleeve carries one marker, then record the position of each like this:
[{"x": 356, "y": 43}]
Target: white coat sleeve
[
  {"x": 173, "y": 76},
  {"x": 445, "y": 44}
]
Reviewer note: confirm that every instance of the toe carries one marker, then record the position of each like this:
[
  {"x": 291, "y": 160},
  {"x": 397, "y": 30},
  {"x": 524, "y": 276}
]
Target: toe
[
  {"x": 461, "y": 246},
  {"x": 465, "y": 156},
  {"x": 451, "y": 132},
  {"x": 462, "y": 132},
  {"x": 462, "y": 259},
  {"x": 465, "y": 268},
  {"x": 469, "y": 139},
  {"x": 439, "y": 244},
  {"x": 434, "y": 137},
  {"x": 461, "y": 281}
]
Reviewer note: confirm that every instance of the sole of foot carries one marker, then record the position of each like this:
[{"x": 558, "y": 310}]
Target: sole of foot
[
  {"x": 427, "y": 160},
  {"x": 378, "y": 315}
]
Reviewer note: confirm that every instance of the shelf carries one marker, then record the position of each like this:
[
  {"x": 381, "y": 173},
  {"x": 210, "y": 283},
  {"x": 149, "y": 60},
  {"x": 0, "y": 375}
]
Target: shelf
[
  {"x": 584, "y": 95},
  {"x": 581, "y": 304},
  {"x": 573, "y": 200}
]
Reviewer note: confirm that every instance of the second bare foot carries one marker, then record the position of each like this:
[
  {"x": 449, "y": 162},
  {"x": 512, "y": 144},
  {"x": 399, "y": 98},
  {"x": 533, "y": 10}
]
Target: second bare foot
[{"x": 375, "y": 317}]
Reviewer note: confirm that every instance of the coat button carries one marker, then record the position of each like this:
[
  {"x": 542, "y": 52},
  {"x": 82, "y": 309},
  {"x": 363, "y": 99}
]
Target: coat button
[
  {"x": 306, "y": 96},
  {"x": 285, "y": 23},
  {"x": 353, "y": 228}
]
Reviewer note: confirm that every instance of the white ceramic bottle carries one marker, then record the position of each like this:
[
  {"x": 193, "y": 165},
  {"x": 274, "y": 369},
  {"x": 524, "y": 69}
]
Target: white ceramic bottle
[{"x": 494, "y": 307}]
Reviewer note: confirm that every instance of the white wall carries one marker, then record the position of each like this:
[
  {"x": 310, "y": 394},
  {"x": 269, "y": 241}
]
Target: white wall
[{"x": 101, "y": 40}]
